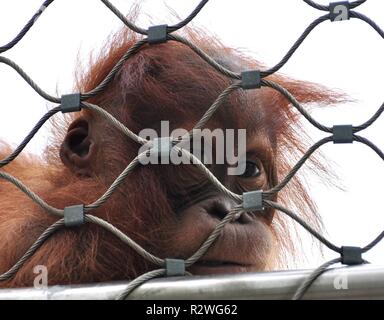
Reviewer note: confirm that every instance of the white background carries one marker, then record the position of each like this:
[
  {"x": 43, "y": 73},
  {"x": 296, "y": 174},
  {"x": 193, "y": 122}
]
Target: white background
[{"x": 344, "y": 55}]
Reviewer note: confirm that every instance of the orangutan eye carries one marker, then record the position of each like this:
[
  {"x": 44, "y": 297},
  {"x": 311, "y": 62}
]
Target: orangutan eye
[{"x": 251, "y": 170}]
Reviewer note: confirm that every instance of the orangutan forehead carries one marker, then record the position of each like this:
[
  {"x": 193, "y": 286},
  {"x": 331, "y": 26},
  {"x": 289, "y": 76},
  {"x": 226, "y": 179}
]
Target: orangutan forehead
[
  {"x": 242, "y": 110},
  {"x": 172, "y": 83}
]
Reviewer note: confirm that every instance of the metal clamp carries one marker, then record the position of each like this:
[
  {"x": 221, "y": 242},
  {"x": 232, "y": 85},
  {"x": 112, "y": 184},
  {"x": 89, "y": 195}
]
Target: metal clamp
[
  {"x": 162, "y": 146},
  {"x": 339, "y": 11},
  {"x": 343, "y": 134},
  {"x": 253, "y": 200},
  {"x": 250, "y": 79},
  {"x": 70, "y": 102},
  {"x": 157, "y": 34},
  {"x": 351, "y": 255},
  {"x": 175, "y": 267},
  {"x": 74, "y": 215}
]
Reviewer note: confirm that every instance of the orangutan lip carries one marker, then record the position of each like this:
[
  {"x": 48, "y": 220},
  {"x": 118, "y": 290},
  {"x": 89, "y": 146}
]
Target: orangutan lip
[{"x": 231, "y": 252}]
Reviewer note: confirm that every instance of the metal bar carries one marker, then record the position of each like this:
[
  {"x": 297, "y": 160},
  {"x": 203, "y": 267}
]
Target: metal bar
[{"x": 358, "y": 282}]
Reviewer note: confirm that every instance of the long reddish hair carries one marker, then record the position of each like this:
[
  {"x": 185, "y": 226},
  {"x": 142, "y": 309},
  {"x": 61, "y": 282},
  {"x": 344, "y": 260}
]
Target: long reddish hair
[{"x": 151, "y": 85}]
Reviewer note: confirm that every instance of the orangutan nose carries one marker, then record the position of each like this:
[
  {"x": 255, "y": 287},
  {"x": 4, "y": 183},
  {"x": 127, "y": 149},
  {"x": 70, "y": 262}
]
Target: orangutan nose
[{"x": 221, "y": 207}]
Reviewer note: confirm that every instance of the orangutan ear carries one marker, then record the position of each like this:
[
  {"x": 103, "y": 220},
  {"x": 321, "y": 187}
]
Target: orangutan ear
[{"x": 78, "y": 148}]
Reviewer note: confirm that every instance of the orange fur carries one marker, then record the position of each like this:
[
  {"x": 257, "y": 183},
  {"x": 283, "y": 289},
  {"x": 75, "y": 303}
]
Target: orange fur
[{"x": 162, "y": 82}]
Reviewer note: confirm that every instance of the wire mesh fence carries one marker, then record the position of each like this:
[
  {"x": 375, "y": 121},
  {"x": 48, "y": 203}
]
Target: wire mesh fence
[{"x": 251, "y": 201}]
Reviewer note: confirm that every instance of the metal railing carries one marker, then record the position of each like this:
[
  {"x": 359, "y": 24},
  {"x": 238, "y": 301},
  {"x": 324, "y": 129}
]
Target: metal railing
[{"x": 358, "y": 282}]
